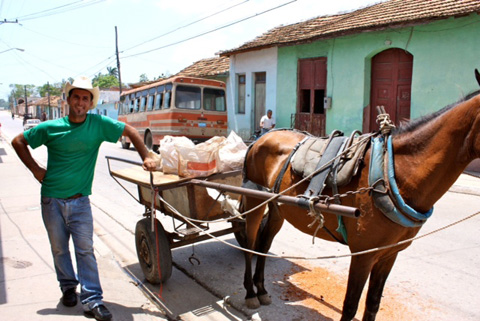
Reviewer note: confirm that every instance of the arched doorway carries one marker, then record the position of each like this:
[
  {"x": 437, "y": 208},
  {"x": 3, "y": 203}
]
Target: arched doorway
[{"x": 391, "y": 85}]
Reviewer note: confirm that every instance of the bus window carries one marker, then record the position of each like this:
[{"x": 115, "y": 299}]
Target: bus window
[
  {"x": 188, "y": 97},
  {"x": 167, "y": 96},
  {"x": 136, "y": 105},
  {"x": 214, "y": 99},
  {"x": 159, "y": 101},
  {"x": 151, "y": 96},
  {"x": 150, "y": 102},
  {"x": 137, "y": 101},
  {"x": 159, "y": 97},
  {"x": 131, "y": 103},
  {"x": 143, "y": 100},
  {"x": 132, "y": 106}
]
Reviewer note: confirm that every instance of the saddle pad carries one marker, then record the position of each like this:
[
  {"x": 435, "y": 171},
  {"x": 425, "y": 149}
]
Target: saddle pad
[{"x": 308, "y": 155}]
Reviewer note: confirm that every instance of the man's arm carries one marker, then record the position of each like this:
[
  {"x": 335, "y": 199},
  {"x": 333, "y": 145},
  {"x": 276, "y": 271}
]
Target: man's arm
[
  {"x": 20, "y": 145},
  {"x": 149, "y": 163}
]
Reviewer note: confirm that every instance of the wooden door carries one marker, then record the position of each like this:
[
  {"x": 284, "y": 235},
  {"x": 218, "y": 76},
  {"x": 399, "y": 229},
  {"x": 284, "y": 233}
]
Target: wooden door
[
  {"x": 312, "y": 86},
  {"x": 260, "y": 98},
  {"x": 391, "y": 85}
]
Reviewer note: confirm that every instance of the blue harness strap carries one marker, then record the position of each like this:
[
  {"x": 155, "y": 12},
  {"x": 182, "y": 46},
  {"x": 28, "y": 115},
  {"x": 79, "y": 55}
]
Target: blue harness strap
[{"x": 403, "y": 214}]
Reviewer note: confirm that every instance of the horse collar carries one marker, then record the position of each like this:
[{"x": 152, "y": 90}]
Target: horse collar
[{"x": 390, "y": 202}]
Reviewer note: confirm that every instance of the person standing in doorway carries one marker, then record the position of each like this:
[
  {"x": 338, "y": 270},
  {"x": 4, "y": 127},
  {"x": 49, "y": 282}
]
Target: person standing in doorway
[
  {"x": 267, "y": 122},
  {"x": 73, "y": 143}
]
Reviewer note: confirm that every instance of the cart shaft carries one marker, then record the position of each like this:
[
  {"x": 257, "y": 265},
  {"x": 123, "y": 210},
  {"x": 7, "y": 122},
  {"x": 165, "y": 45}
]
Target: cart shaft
[{"x": 289, "y": 200}]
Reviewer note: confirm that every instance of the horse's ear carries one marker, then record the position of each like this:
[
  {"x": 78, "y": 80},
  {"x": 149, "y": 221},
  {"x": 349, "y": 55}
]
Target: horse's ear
[{"x": 477, "y": 76}]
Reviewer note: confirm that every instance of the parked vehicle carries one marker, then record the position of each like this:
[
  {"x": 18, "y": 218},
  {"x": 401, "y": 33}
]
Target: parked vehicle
[
  {"x": 30, "y": 123},
  {"x": 25, "y": 117},
  {"x": 178, "y": 106}
]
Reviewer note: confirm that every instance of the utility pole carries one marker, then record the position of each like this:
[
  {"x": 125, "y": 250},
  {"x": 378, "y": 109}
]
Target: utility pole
[
  {"x": 26, "y": 108},
  {"x": 48, "y": 95},
  {"x": 118, "y": 60}
]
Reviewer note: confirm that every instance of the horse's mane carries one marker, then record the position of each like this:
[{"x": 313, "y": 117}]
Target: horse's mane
[{"x": 410, "y": 126}]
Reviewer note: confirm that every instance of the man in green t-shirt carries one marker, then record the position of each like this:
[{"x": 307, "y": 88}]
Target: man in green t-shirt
[{"x": 73, "y": 143}]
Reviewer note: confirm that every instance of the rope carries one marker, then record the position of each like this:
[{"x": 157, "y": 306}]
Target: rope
[
  {"x": 384, "y": 121},
  {"x": 241, "y": 215},
  {"x": 309, "y": 176},
  {"x": 328, "y": 256}
]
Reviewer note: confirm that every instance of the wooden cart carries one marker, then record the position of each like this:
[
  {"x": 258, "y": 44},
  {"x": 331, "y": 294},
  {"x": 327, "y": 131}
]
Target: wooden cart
[{"x": 189, "y": 200}]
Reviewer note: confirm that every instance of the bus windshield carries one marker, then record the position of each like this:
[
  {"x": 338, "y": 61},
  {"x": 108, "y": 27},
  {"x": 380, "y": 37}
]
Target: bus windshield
[
  {"x": 214, "y": 99},
  {"x": 188, "y": 97}
]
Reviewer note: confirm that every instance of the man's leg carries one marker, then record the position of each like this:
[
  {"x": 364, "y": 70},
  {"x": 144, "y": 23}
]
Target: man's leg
[
  {"x": 81, "y": 226},
  {"x": 58, "y": 234}
]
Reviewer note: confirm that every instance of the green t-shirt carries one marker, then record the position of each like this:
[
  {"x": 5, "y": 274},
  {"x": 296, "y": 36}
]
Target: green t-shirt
[{"x": 72, "y": 152}]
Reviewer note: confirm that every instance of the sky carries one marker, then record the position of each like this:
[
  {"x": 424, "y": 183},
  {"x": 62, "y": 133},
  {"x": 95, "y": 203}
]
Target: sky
[{"x": 53, "y": 40}]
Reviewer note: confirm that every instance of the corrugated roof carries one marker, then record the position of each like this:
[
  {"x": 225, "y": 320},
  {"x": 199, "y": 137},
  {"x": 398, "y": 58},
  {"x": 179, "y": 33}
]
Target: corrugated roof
[
  {"x": 389, "y": 14},
  {"x": 207, "y": 67}
]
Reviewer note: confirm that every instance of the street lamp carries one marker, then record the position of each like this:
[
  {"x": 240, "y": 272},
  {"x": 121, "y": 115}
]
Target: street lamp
[{"x": 19, "y": 49}]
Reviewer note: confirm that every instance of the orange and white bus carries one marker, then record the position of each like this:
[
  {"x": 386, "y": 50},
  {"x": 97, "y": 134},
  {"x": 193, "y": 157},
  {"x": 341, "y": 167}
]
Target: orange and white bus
[{"x": 177, "y": 106}]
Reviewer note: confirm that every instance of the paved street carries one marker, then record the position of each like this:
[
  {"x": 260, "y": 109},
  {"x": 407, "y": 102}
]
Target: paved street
[{"x": 434, "y": 279}]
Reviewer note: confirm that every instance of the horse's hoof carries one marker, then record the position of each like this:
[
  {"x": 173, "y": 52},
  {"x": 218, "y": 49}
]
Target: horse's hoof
[
  {"x": 252, "y": 303},
  {"x": 265, "y": 299}
]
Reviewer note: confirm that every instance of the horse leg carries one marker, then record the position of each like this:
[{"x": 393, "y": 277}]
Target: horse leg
[
  {"x": 251, "y": 300},
  {"x": 253, "y": 221},
  {"x": 360, "y": 268},
  {"x": 378, "y": 277},
  {"x": 274, "y": 224}
]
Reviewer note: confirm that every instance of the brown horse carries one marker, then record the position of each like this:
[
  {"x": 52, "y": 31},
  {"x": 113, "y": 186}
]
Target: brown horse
[{"x": 430, "y": 154}]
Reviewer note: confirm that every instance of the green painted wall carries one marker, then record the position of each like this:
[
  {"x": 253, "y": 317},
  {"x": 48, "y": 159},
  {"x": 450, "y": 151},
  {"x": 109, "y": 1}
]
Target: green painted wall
[{"x": 445, "y": 53}]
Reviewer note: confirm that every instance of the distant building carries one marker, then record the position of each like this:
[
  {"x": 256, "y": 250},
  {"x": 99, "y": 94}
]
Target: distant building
[{"x": 107, "y": 103}]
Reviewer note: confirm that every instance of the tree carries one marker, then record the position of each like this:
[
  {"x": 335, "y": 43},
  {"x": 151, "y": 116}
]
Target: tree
[
  {"x": 162, "y": 76},
  {"x": 18, "y": 91},
  {"x": 3, "y": 103},
  {"x": 112, "y": 71},
  {"x": 143, "y": 78},
  {"x": 105, "y": 81},
  {"x": 54, "y": 89}
]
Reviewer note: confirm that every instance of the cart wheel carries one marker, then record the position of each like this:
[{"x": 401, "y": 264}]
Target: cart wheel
[{"x": 148, "y": 256}]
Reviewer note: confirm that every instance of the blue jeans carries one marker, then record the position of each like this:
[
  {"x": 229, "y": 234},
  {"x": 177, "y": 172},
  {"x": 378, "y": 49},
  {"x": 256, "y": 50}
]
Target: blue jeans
[{"x": 73, "y": 217}]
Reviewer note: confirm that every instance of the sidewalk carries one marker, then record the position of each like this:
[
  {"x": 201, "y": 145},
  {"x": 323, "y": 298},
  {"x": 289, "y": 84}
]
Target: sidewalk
[{"x": 28, "y": 286}]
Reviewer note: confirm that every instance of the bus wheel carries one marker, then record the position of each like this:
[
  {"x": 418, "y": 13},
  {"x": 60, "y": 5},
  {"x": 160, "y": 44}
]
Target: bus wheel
[
  {"x": 149, "y": 140},
  {"x": 125, "y": 144}
]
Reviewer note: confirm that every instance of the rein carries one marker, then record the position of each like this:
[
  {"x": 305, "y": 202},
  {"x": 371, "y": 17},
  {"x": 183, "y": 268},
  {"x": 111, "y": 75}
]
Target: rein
[{"x": 327, "y": 256}]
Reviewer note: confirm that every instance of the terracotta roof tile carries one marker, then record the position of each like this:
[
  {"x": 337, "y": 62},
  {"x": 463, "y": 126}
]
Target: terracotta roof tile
[
  {"x": 207, "y": 67},
  {"x": 44, "y": 101},
  {"x": 389, "y": 14}
]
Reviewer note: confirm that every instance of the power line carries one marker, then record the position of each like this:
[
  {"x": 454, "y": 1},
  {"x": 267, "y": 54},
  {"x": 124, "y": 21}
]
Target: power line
[
  {"x": 63, "y": 40},
  {"x": 189, "y": 24},
  {"x": 47, "y": 10},
  {"x": 60, "y": 9},
  {"x": 210, "y": 31}
]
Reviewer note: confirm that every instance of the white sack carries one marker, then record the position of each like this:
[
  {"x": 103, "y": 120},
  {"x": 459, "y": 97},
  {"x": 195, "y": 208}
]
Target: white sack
[
  {"x": 169, "y": 154},
  {"x": 232, "y": 153},
  {"x": 200, "y": 160}
]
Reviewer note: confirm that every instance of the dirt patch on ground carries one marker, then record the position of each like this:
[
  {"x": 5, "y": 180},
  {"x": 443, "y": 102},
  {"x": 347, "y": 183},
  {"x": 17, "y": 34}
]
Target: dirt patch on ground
[{"x": 323, "y": 292}]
